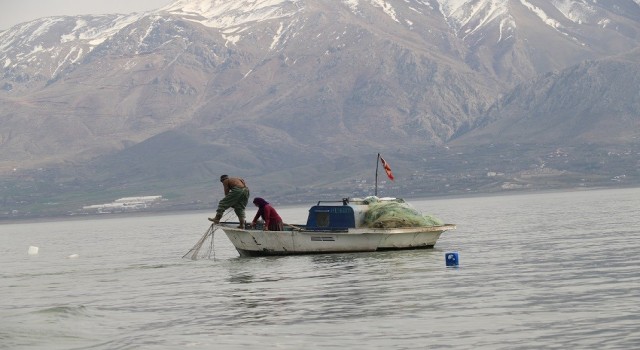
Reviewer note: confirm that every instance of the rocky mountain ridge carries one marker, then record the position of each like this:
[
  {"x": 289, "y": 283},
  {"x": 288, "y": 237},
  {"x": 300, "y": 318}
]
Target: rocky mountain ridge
[{"x": 281, "y": 90}]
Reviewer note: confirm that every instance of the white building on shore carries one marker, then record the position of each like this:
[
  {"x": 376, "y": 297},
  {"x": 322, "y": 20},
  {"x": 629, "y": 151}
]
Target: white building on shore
[{"x": 124, "y": 204}]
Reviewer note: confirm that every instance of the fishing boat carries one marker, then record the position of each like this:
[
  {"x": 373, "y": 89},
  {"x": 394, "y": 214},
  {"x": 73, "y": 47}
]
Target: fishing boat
[{"x": 348, "y": 225}]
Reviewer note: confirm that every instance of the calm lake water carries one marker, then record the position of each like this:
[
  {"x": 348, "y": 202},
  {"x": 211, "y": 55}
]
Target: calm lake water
[{"x": 552, "y": 270}]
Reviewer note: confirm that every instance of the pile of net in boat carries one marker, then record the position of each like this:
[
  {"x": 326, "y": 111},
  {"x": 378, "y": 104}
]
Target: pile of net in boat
[{"x": 395, "y": 214}]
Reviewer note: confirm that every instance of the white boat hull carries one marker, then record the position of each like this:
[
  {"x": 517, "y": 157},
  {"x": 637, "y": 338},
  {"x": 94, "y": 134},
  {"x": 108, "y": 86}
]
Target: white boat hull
[
  {"x": 411, "y": 238},
  {"x": 250, "y": 242}
]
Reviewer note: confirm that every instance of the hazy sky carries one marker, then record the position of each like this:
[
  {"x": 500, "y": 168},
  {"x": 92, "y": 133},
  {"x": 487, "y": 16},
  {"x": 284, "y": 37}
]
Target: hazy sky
[{"x": 13, "y": 12}]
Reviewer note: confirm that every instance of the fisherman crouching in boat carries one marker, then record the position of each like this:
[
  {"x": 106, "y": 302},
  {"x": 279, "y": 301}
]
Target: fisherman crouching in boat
[
  {"x": 272, "y": 221},
  {"x": 236, "y": 196}
]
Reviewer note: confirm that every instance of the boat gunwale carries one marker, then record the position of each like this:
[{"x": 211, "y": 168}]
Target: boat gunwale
[{"x": 363, "y": 230}]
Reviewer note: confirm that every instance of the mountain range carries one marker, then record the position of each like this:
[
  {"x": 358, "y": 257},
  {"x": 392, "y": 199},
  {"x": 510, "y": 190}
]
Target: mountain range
[{"x": 299, "y": 96}]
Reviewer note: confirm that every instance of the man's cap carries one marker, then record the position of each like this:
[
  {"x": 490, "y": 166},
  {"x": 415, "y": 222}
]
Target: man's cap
[{"x": 223, "y": 177}]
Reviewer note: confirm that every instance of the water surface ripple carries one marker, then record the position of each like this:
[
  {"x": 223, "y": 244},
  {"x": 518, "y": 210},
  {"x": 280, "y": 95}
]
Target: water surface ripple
[{"x": 551, "y": 270}]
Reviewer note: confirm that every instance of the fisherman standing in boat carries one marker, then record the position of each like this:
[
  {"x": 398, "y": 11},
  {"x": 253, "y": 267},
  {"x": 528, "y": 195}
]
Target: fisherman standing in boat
[{"x": 236, "y": 196}]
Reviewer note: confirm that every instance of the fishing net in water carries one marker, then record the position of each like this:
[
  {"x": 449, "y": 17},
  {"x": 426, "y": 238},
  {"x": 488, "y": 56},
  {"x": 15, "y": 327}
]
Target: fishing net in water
[
  {"x": 395, "y": 214},
  {"x": 196, "y": 252}
]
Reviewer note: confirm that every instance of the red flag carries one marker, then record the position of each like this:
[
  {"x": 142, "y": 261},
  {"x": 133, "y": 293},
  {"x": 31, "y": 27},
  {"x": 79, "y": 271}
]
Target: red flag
[{"x": 387, "y": 168}]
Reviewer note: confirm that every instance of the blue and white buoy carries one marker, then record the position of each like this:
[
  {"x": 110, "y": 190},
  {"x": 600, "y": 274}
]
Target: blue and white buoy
[{"x": 451, "y": 259}]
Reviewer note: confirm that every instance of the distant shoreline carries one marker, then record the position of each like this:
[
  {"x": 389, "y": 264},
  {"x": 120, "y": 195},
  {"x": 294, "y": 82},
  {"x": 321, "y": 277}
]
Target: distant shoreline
[{"x": 207, "y": 211}]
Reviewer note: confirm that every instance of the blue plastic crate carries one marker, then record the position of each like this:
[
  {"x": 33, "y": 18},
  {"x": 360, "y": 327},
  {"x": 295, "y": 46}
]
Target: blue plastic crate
[{"x": 452, "y": 259}]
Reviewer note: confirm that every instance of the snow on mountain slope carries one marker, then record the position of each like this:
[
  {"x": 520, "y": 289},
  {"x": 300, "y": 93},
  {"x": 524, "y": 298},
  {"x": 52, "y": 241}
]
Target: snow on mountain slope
[
  {"x": 224, "y": 14},
  {"x": 234, "y": 18},
  {"x": 43, "y": 48},
  {"x": 467, "y": 17},
  {"x": 462, "y": 13},
  {"x": 47, "y": 45},
  {"x": 576, "y": 11}
]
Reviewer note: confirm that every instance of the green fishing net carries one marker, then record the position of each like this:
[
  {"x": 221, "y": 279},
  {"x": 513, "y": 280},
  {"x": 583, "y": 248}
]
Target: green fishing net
[{"x": 395, "y": 214}]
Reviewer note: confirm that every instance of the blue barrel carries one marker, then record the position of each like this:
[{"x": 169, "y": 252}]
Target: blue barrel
[{"x": 451, "y": 259}]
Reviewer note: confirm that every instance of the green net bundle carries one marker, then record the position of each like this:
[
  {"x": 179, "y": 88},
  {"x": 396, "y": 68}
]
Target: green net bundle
[{"x": 395, "y": 214}]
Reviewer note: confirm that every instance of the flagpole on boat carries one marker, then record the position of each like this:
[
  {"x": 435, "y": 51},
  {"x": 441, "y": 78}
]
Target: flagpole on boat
[{"x": 377, "y": 162}]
